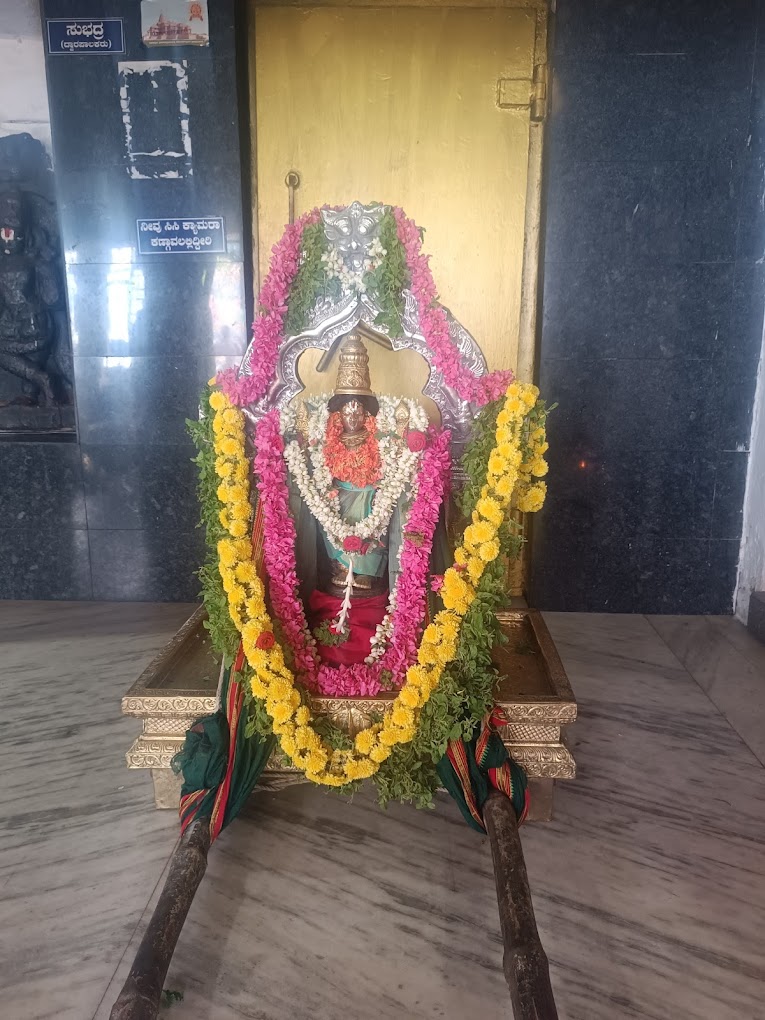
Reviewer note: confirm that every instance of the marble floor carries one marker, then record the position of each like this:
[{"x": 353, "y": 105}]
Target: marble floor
[{"x": 649, "y": 885}]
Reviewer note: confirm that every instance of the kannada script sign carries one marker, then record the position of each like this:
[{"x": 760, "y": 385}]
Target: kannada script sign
[
  {"x": 70, "y": 36},
  {"x": 181, "y": 235}
]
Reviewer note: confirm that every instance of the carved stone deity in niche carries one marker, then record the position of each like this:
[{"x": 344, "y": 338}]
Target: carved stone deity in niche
[{"x": 34, "y": 345}]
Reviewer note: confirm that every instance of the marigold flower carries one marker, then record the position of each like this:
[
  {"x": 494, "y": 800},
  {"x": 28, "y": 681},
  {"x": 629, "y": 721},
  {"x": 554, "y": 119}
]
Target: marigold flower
[
  {"x": 365, "y": 741},
  {"x": 532, "y": 499},
  {"x": 489, "y": 551},
  {"x": 379, "y": 753},
  {"x": 236, "y": 493},
  {"x": 422, "y": 677},
  {"x": 539, "y": 467},
  {"x": 280, "y": 711},
  {"x": 446, "y": 652},
  {"x": 236, "y": 594},
  {"x": 456, "y": 590},
  {"x": 317, "y": 760},
  {"x": 218, "y": 401},
  {"x": 428, "y": 654},
  {"x": 246, "y": 571},
  {"x": 504, "y": 486},
  {"x": 232, "y": 416},
  {"x": 475, "y": 570},
  {"x": 240, "y": 511},
  {"x": 238, "y": 528},
  {"x": 410, "y": 696},
  {"x": 482, "y": 531},
  {"x": 402, "y": 716},
  {"x": 490, "y": 509},
  {"x": 449, "y": 624},
  {"x": 460, "y": 555},
  {"x": 223, "y": 467},
  {"x": 279, "y": 687},
  {"x": 259, "y": 689},
  {"x": 359, "y": 769},
  {"x": 255, "y": 606},
  {"x": 307, "y": 738},
  {"x": 303, "y": 715},
  {"x": 497, "y": 464},
  {"x": 229, "y": 447},
  {"x": 431, "y": 634},
  {"x": 288, "y": 744},
  {"x": 406, "y": 734},
  {"x": 388, "y": 738}
]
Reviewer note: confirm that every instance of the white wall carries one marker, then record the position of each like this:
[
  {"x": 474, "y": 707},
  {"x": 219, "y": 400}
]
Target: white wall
[
  {"x": 23, "y": 90},
  {"x": 751, "y": 567}
]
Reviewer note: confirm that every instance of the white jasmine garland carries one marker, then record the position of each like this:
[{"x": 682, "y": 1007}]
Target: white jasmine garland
[
  {"x": 398, "y": 471},
  {"x": 399, "y": 467}
]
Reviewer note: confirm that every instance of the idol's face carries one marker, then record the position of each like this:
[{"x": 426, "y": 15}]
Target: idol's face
[{"x": 353, "y": 414}]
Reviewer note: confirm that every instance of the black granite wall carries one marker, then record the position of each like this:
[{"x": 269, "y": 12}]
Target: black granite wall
[
  {"x": 114, "y": 517},
  {"x": 653, "y": 302},
  {"x": 653, "y": 307}
]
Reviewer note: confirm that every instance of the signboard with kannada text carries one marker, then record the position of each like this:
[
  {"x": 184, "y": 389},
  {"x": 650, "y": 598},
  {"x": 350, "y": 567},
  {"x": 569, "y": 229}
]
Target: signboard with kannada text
[
  {"x": 83, "y": 36},
  {"x": 179, "y": 235}
]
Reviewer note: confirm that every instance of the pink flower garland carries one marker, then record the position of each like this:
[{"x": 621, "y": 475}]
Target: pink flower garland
[
  {"x": 268, "y": 330},
  {"x": 279, "y": 558},
  {"x": 415, "y": 559},
  {"x": 279, "y": 546},
  {"x": 435, "y": 326}
]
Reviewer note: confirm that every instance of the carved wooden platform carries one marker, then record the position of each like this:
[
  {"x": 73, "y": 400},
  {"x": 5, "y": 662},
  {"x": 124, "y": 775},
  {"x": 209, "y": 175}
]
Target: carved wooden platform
[{"x": 181, "y": 684}]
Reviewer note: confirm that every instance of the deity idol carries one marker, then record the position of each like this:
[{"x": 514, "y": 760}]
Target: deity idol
[{"x": 353, "y": 461}]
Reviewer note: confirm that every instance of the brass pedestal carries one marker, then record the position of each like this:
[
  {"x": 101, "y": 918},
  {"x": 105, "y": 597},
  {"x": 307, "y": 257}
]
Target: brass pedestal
[{"x": 180, "y": 685}]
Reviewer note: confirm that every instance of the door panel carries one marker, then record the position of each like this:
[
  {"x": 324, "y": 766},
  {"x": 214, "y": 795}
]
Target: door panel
[{"x": 414, "y": 106}]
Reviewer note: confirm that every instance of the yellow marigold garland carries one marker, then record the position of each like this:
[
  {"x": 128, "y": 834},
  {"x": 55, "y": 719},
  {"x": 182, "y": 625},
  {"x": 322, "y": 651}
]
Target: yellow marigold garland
[{"x": 508, "y": 472}]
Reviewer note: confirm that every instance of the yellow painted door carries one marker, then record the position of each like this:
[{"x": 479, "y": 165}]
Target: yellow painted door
[{"x": 419, "y": 106}]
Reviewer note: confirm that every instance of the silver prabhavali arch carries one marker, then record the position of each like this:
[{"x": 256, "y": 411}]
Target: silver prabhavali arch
[{"x": 351, "y": 230}]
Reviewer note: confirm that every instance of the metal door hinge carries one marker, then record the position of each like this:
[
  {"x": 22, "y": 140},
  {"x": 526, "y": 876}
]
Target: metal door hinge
[
  {"x": 539, "y": 92},
  {"x": 525, "y": 93}
]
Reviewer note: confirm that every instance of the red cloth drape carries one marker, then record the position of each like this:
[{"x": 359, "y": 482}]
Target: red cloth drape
[{"x": 363, "y": 618}]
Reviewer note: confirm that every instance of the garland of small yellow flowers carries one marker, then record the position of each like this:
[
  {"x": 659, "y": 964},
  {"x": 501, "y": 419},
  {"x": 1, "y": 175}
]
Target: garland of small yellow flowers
[{"x": 274, "y": 682}]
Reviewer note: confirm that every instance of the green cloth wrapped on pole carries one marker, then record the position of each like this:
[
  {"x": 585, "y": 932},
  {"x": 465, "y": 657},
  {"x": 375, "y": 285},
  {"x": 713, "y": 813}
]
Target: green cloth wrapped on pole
[
  {"x": 471, "y": 769},
  {"x": 220, "y": 763}
]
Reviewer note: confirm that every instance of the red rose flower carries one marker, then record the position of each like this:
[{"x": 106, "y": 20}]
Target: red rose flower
[
  {"x": 352, "y": 544},
  {"x": 416, "y": 441},
  {"x": 265, "y": 640}
]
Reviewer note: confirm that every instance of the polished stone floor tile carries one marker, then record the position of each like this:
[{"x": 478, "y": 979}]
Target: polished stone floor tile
[
  {"x": 728, "y": 665},
  {"x": 79, "y": 851},
  {"x": 649, "y": 885}
]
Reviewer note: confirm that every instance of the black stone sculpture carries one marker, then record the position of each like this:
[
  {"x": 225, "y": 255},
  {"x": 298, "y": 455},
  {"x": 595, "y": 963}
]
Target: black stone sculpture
[{"x": 35, "y": 355}]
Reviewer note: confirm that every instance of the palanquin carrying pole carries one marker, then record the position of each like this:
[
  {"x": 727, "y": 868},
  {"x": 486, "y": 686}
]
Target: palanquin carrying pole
[{"x": 525, "y": 961}]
